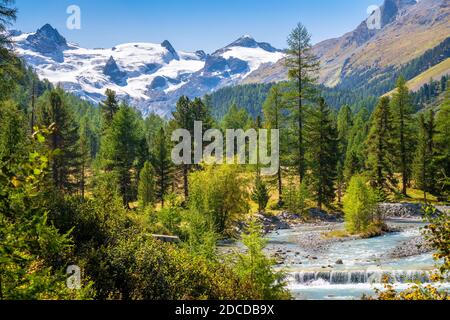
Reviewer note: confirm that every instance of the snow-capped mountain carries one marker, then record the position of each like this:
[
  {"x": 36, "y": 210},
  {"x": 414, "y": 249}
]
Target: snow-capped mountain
[{"x": 151, "y": 76}]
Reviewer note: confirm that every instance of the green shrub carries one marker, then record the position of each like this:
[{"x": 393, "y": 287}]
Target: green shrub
[{"x": 359, "y": 205}]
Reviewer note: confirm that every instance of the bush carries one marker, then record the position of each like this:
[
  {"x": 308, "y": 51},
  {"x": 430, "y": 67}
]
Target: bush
[
  {"x": 260, "y": 194},
  {"x": 359, "y": 205},
  {"x": 141, "y": 268},
  {"x": 255, "y": 267},
  {"x": 219, "y": 192},
  {"x": 296, "y": 197}
]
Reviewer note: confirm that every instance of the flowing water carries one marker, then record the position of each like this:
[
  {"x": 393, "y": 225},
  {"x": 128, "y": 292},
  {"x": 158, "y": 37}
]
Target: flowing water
[{"x": 314, "y": 273}]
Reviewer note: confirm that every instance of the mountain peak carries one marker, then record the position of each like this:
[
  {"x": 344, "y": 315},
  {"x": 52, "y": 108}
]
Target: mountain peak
[
  {"x": 49, "y": 42},
  {"x": 50, "y": 33},
  {"x": 112, "y": 70},
  {"x": 168, "y": 46},
  {"x": 245, "y": 41}
]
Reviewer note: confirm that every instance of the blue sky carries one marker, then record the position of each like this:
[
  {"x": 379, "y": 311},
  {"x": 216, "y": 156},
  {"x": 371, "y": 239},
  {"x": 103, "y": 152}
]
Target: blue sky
[{"x": 193, "y": 24}]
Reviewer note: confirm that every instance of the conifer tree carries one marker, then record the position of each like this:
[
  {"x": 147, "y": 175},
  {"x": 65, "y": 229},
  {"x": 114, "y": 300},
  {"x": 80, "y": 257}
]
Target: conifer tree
[
  {"x": 344, "y": 125},
  {"x": 7, "y": 17},
  {"x": 443, "y": 145},
  {"x": 85, "y": 145},
  {"x": 110, "y": 106},
  {"x": 146, "y": 188},
  {"x": 54, "y": 112},
  {"x": 380, "y": 152},
  {"x": 356, "y": 148},
  {"x": 274, "y": 110},
  {"x": 120, "y": 146},
  {"x": 403, "y": 112},
  {"x": 302, "y": 65},
  {"x": 424, "y": 170},
  {"x": 185, "y": 115},
  {"x": 162, "y": 164},
  {"x": 323, "y": 153}
]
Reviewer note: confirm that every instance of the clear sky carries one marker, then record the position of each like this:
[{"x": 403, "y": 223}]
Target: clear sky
[{"x": 193, "y": 24}]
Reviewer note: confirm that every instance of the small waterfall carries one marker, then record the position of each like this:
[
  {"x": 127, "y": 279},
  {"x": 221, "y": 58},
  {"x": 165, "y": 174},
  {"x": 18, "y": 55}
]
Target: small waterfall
[{"x": 356, "y": 277}]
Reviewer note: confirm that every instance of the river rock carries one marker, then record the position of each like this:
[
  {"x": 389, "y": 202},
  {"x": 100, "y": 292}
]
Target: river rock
[{"x": 339, "y": 261}]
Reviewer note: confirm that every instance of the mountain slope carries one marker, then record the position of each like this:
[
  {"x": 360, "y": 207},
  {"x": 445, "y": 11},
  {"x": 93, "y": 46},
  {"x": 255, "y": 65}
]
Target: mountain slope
[
  {"x": 151, "y": 76},
  {"x": 408, "y": 30}
]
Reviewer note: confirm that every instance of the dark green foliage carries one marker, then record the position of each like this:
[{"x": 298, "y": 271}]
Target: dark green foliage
[
  {"x": 424, "y": 169},
  {"x": 53, "y": 112},
  {"x": 250, "y": 97},
  {"x": 380, "y": 147},
  {"x": 109, "y": 107},
  {"x": 162, "y": 164},
  {"x": 443, "y": 146},
  {"x": 404, "y": 131},
  {"x": 356, "y": 149},
  {"x": 322, "y": 153},
  {"x": 120, "y": 148}
]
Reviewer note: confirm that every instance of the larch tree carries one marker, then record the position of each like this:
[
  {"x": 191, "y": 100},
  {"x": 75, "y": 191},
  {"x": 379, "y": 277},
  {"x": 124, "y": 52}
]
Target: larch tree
[
  {"x": 274, "y": 110},
  {"x": 303, "y": 66},
  {"x": 403, "y": 111}
]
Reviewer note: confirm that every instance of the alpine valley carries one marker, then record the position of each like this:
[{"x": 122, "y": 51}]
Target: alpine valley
[{"x": 154, "y": 76}]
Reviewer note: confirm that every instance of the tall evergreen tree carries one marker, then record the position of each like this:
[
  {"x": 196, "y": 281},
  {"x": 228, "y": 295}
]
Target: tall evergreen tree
[
  {"x": 85, "y": 145},
  {"x": 302, "y": 65},
  {"x": 7, "y": 17},
  {"x": 54, "y": 112},
  {"x": 403, "y": 112},
  {"x": 380, "y": 149},
  {"x": 344, "y": 125},
  {"x": 120, "y": 147},
  {"x": 443, "y": 145},
  {"x": 162, "y": 165},
  {"x": 146, "y": 188},
  {"x": 323, "y": 153},
  {"x": 274, "y": 110},
  {"x": 424, "y": 170},
  {"x": 185, "y": 115},
  {"x": 110, "y": 106},
  {"x": 356, "y": 148}
]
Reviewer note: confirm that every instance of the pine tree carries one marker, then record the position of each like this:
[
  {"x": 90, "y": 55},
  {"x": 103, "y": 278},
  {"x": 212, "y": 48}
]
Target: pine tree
[
  {"x": 12, "y": 133},
  {"x": 380, "y": 152},
  {"x": 7, "y": 17},
  {"x": 146, "y": 188},
  {"x": 85, "y": 145},
  {"x": 344, "y": 125},
  {"x": 120, "y": 146},
  {"x": 162, "y": 164},
  {"x": 274, "y": 110},
  {"x": 356, "y": 148},
  {"x": 443, "y": 145},
  {"x": 63, "y": 141},
  {"x": 403, "y": 112},
  {"x": 323, "y": 153},
  {"x": 424, "y": 170},
  {"x": 236, "y": 118},
  {"x": 302, "y": 65},
  {"x": 185, "y": 115},
  {"x": 110, "y": 106}
]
